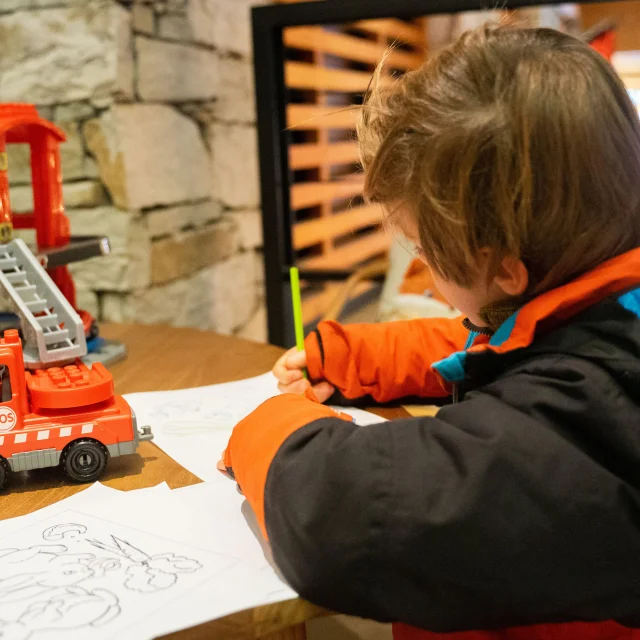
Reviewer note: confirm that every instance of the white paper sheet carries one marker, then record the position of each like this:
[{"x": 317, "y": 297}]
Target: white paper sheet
[
  {"x": 193, "y": 425},
  {"x": 91, "y": 578},
  {"x": 208, "y": 520},
  {"x": 216, "y": 517}
]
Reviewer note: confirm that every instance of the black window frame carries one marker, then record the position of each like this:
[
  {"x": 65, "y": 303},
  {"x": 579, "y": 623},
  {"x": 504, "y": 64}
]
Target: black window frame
[{"x": 271, "y": 101}]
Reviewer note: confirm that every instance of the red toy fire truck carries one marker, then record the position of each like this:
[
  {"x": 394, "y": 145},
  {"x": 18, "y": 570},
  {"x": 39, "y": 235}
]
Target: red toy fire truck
[
  {"x": 21, "y": 124},
  {"x": 54, "y": 410}
]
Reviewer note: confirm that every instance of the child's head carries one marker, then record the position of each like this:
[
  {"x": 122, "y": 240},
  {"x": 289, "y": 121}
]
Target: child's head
[{"x": 512, "y": 158}]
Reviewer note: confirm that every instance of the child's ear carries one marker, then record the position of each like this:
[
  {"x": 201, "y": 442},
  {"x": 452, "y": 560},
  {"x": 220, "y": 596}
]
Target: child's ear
[{"x": 512, "y": 276}]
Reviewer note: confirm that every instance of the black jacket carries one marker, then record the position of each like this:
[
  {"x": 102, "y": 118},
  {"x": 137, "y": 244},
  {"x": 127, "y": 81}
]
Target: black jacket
[{"x": 518, "y": 505}]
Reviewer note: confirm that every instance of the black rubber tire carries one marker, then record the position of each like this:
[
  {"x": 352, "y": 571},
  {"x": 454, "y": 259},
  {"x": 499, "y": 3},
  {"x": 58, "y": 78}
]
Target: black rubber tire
[
  {"x": 4, "y": 472},
  {"x": 84, "y": 460}
]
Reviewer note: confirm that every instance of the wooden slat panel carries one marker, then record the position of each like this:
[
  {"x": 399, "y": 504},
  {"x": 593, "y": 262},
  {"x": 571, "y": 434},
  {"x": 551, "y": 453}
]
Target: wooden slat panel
[
  {"x": 311, "y": 194},
  {"x": 626, "y": 16},
  {"x": 315, "y": 305},
  {"x": 395, "y": 29},
  {"x": 305, "y": 116},
  {"x": 306, "y": 156},
  {"x": 300, "y": 75},
  {"x": 352, "y": 254},
  {"x": 310, "y": 232},
  {"x": 348, "y": 47}
]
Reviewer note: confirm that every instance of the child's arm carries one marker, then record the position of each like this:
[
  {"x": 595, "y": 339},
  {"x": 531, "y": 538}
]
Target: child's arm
[
  {"x": 490, "y": 515},
  {"x": 384, "y": 361}
]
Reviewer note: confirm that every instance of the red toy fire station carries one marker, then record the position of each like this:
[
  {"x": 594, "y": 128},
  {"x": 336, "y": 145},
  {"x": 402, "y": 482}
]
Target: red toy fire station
[
  {"x": 54, "y": 409},
  {"x": 21, "y": 124}
]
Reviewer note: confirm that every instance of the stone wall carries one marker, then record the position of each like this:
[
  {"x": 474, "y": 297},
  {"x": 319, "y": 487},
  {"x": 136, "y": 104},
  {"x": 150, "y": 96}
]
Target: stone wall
[{"x": 156, "y": 99}]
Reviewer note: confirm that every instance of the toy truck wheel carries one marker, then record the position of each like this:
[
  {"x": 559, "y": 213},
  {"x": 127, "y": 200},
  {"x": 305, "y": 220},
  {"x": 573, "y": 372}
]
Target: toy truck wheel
[
  {"x": 4, "y": 472},
  {"x": 84, "y": 460}
]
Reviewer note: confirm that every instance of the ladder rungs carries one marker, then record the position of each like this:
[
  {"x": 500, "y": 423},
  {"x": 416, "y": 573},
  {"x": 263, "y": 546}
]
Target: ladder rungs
[
  {"x": 16, "y": 276},
  {"x": 35, "y": 306},
  {"x": 50, "y": 337},
  {"x": 55, "y": 337},
  {"x": 27, "y": 288},
  {"x": 50, "y": 320},
  {"x": 61, "y": 347}
]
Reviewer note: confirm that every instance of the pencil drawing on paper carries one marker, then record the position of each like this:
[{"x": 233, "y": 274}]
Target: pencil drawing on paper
[
  {"x": 203, "y": 410},
  {"x": 182, "y": 418},
  {"x": 148, "y": 573},
  {"x": 89, "y": 575}
]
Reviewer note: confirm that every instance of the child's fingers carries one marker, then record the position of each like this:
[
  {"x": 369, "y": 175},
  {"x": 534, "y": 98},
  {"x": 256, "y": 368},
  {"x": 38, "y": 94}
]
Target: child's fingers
[
  {"x": 280, "y": 364},
  {"x": 323, "y": 391},
  {"x": 296, "y": 359},
  {"x": 289, "y": 376},
  {"x": 289, "y": 368},
  {"x": 283, "y": 373},
  {"x": 300, "y": 386}
]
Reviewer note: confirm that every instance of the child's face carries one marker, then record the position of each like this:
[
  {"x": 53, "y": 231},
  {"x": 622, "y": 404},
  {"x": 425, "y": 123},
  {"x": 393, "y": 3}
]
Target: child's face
[{"x": 490, "y": 284}]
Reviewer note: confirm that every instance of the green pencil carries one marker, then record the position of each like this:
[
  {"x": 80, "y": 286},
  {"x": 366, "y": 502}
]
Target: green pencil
[{"x": 297, "y": 310}]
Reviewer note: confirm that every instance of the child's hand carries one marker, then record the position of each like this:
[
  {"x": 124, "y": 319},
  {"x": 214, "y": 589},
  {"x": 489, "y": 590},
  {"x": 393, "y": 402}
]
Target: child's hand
[{"x": 288, "y": 371}]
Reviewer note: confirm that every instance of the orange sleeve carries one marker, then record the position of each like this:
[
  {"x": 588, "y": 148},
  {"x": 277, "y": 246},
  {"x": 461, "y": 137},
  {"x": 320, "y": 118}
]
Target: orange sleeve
[
  {"x": 386, "y": 361},
  {"x": 256, "y": 440}
]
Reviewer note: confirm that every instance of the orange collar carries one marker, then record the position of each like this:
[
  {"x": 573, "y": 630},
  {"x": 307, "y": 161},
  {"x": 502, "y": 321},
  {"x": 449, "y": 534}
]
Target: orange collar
[
  {"x": 551, "y": 309},
  {"x": 558, "y": 305}
]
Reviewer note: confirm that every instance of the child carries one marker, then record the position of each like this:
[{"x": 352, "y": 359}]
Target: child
[{"x": 512, "y": 161}]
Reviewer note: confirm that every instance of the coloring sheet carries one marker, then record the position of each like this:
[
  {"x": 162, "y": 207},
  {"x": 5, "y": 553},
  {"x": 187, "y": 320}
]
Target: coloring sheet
[
  {"x": 193, "y": 425},
  {"x": 77, "y": 576}
]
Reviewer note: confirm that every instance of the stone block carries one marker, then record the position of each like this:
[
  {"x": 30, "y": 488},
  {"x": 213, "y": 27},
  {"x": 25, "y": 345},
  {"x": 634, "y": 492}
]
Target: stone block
[
  {"x": 19, "y": 5},
  {"x": 149, "y": 155},
  {"x": 178, "y": 257},
  {"x": 235, "y": 165},
  {"x": 175, "y": 72},
  {"x": 203, "y": 112},
  {"x": 88, "y": 300},
  {"x": 234, "y": 292},
  {"x": 176, "y": 6},
  {"x": 256, "y": 327},
  {"x": 184, "y": 303},
  {"x": 170, "y": 220},
  {"x": 59, "y": 55},
  {"x": 225, "y": 24},
  {"x": 116, "y": 307},
  {"x": 73, "y": 161},
  {"x": 85, "y": 193},
  {"x": 201, "y": 15},
  {"x": 249, "y": 225},
  {"x": 19, "y": 162},
  {"x": 75, "y": 164},
  {"x": 82, "y": 194},
  {"x": 127, "y": 268},
  {"x": 160, "y": 305},
  {"x": 236, "y": 98},
  {"x": 125, "y": 72},
  {"x": 143, "y": 18},
  {"x": 175, "y": 27},
  {"x": 74, "y": 111}
]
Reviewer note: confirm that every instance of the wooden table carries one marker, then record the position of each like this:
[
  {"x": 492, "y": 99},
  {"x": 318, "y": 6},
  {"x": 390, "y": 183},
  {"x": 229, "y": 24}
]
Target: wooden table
[{"x": 166, "y": 358}]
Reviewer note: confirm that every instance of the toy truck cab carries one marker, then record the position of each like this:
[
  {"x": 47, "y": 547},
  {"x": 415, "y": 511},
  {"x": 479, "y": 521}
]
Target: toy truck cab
[{"x": 54, "y": 409}]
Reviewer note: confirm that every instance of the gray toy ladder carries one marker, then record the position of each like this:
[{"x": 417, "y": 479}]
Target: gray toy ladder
[{"x": 52, "y": 331}]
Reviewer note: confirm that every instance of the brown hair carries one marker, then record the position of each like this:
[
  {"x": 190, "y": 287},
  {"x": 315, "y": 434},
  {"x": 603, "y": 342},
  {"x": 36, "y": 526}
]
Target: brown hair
[{"x": 522, "y": 140}]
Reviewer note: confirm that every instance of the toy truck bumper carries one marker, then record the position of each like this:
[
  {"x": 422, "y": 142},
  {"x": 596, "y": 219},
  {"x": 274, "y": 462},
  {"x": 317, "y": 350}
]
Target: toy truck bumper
[
  {"x": 127, "y": 448},
  {"x": 141, "y": 434},
  {"x": 145, "y": 434}
]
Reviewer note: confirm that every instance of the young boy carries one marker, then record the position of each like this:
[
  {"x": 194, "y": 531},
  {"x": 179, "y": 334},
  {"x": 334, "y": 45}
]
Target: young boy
[{"x": 512, "y": 161}]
